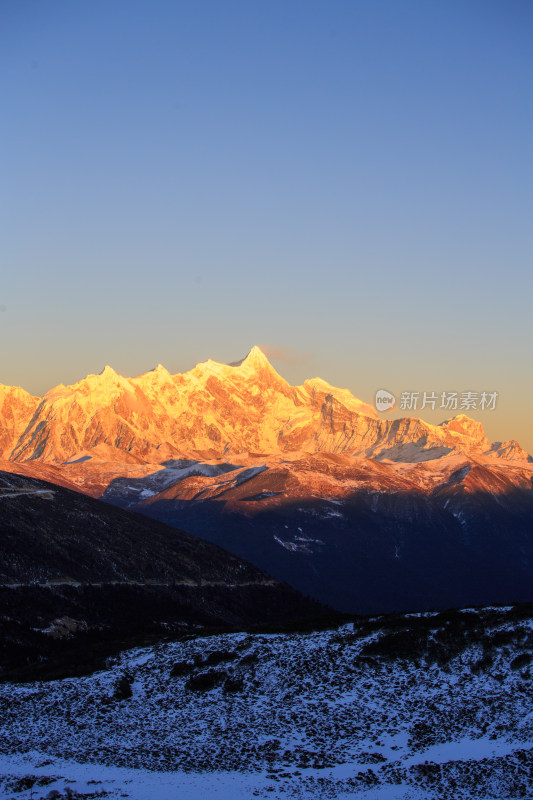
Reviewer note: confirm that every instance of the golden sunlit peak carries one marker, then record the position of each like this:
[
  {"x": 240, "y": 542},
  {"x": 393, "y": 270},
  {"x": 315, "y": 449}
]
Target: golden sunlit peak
[
  {"x": 108, "y": 372},
  {"x": 463, "y": 419},
  {"x": 465, "y": 425},
  {"x": 255, "y": 357}
]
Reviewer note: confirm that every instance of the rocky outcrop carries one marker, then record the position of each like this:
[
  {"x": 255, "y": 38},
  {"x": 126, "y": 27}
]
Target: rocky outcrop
[{"x": 17, "y": 409}]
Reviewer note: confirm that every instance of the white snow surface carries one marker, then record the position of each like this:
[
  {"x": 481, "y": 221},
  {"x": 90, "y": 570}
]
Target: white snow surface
[{"x": 311, "y": 717}]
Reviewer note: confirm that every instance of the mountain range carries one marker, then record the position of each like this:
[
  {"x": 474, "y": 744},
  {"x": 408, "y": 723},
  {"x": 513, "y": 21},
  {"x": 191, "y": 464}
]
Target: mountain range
[
  {"x": 363, "y": 513},
  {"x": 218, "y": 410}
]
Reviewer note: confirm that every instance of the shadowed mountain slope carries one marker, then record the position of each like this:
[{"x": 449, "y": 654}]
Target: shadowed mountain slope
[{"x": 76, "y": 573}]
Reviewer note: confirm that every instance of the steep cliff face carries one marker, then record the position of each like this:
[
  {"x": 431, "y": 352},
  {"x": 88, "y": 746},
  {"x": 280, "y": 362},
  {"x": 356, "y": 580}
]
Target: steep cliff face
[
  {"x": 218, "y": 410},
  {"x": 510, "y": 451},
  {"x": 17, "y": 408}
]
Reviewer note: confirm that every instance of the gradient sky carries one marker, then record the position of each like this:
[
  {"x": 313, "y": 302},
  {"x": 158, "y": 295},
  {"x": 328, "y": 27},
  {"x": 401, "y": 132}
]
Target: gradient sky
[{"x": 350, "y": 181}]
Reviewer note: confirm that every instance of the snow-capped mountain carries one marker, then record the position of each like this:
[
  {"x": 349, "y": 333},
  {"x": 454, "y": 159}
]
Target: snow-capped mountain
[
  {"x": 17, "y": 408},
  {"x": 363, "y": 513},
  {"x": 307, "y": 483},
  {"x": 218, "y": 410}
]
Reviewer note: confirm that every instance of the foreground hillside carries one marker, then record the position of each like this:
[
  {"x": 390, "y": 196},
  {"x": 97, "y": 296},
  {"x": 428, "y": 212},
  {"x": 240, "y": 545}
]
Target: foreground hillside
[
  {"x": 76, "y": 573},
  {"x": 418, "y": 707}
]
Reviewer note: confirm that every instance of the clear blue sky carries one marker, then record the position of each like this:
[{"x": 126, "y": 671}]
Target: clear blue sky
[{"x": 348, "y": 180}]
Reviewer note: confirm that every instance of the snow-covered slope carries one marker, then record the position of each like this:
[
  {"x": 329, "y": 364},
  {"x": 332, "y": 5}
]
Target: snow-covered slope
[
  {"x": 16, "y": 411},
  {"x": 421, "y": 707},
  {"x": 274, "y": 482}
]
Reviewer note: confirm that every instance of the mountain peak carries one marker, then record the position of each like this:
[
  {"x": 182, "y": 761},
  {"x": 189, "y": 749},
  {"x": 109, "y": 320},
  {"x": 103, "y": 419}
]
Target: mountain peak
[
  {"x": 108, "y": 372},
  {"x": 157, "y": 376},
  {"x": 466, "y": 426},
  {"x": 160, "y": 370},
  {"x": 255, "y": 358}
]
